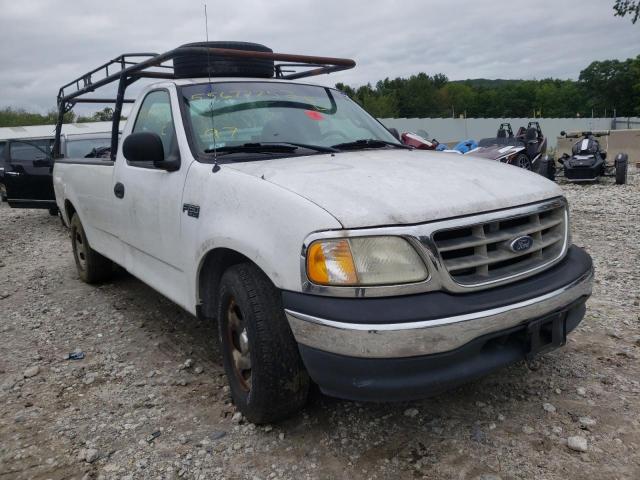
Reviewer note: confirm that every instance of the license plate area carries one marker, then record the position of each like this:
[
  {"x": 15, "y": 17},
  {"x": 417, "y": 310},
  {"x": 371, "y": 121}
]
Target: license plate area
[{"x": 546, "y": 334}]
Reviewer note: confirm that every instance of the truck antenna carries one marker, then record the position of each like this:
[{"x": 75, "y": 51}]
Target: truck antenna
[{"x": 216, "y": 167}]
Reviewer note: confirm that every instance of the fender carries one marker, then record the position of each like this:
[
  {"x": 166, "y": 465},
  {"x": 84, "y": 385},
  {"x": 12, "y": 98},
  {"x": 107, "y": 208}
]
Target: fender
[{"x": 268, "y": 225}]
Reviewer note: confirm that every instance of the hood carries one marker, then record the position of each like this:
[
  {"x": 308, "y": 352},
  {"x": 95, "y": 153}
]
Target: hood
[
  {"x": 496, "y": 152},
  {"x": 392, "y": 187}
]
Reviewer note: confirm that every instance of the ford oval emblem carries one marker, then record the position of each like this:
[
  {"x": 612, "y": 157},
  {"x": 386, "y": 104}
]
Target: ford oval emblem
[{"x": 521, "y": 244}]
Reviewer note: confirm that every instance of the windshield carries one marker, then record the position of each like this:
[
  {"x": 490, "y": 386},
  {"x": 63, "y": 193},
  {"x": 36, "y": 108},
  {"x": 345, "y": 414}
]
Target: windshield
[
  {"x": 224, "y": 115},
  {"x": 88, "y": 147}
]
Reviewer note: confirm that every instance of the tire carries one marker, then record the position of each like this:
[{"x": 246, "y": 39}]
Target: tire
[
  {"x": 202, "y": 65},
  {"x": 522, "y": 161},
  {"x": 621, "y": 169},
  {"x": 53, "y": 211},
  {"x": 92, "y": 267},
  {"x": 3, "y": 193},
  {"x": 548, "y": 168},
  {"x": 266, "y": 376}
]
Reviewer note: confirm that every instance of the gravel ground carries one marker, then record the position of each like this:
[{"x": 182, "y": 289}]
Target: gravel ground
[{"x": 149, "y": 399}]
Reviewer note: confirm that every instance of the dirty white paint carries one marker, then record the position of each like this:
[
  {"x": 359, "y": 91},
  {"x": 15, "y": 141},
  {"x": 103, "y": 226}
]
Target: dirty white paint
[{"x": 393, "y": 187}]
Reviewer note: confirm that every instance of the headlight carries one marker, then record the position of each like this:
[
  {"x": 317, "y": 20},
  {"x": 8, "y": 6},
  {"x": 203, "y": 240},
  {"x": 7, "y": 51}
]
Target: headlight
[{"x": 364, "y": 261}]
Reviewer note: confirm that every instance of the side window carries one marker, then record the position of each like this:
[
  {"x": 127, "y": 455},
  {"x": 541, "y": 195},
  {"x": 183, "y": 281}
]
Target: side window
[
  {"x": 155, "y": 116},
  {"x": 29, "y": 150}
]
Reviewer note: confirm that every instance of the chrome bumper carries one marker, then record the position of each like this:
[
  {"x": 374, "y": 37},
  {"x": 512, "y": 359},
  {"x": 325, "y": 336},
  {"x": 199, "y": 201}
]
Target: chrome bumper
[{"x": 398, "y": 340}]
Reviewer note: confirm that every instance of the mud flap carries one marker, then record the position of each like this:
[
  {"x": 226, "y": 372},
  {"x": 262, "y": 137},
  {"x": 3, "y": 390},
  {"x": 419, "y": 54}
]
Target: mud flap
[{"x": 546, "y": 334}]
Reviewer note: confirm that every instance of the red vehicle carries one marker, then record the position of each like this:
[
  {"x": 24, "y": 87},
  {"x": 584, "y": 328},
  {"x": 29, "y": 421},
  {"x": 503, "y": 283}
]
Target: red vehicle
[{"x": 417, "y": 141}]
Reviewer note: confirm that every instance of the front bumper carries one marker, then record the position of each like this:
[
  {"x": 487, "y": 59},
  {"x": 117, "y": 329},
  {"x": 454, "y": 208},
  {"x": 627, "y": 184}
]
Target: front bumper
[
  {"x": 583, "y": 173},
  {"x": 371, "y": 348}
]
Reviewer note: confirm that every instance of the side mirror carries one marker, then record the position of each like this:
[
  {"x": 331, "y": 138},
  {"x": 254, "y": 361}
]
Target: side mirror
[
  {"x": 395, "y": 133},
  {"x": 563, "y": 133},
  {"x": 145, "y": 147}
]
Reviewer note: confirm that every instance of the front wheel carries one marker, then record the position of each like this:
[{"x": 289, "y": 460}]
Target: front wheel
[
  {"x": 266, "y": 376},
  {"x": 92, "y": 267}
]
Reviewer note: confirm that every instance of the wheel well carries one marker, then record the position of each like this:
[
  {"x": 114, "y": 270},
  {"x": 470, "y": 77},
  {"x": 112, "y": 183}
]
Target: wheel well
[
  {"x": 69, "y": 209},
  {"x": 213, "y": 266}
]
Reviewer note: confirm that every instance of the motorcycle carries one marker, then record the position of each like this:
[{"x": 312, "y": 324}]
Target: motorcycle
[{"x": 588, "y": 160}]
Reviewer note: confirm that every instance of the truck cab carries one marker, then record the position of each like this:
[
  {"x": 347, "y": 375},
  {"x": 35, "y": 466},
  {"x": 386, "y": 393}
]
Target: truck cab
[{"x": 323, "y": 248}]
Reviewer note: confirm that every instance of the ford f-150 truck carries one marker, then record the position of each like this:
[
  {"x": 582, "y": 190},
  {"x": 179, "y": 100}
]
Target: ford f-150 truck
[{"x": 325, "y": 249}]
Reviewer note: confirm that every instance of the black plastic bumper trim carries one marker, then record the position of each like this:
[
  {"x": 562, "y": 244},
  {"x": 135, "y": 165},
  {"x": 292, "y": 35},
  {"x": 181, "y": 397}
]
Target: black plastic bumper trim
[{"x": 403, "y": 379}]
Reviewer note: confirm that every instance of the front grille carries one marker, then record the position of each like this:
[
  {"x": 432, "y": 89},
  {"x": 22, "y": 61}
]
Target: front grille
[{"x": 481, "y": 253}]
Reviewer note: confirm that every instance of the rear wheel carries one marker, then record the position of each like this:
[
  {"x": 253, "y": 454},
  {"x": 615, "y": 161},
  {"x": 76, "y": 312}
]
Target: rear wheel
[
  {"x": 266, "y": 376},
  {"x": 621, "y": 171},
  {"x": 548, "y": 168},
  {"x": 92, "y": 267},
  {"x": 522, "y": 161},
  {"x": 3, "y": 193}
]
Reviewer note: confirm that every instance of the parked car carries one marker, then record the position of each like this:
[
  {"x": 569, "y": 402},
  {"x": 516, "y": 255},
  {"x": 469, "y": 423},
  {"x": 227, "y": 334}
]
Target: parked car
[
  {"x": 588, "y": 160},
  {"x": 325, "y": 249},
  {"x": 3, "y": 191},
  {"x": 26, "y": 165},
  {"x": 27, "y": 174}
]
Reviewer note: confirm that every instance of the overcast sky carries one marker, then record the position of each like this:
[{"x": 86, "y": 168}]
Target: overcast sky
[{"x": 46, "y": 43}]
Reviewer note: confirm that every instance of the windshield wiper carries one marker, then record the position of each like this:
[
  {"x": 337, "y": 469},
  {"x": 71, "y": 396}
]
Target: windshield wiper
[
  {"x": 268, "y": 147},
  {"x": 368, "y": 143}
]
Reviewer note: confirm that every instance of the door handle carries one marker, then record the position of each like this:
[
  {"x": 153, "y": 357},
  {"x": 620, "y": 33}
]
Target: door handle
[{"x": 118, "y": 190}]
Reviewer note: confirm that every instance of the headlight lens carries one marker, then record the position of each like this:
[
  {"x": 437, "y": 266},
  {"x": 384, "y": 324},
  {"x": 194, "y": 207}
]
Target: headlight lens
[{"x": 364, "y": 261}]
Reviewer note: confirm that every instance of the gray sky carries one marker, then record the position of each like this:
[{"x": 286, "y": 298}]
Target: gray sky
[{"x": 46, "y": 43}]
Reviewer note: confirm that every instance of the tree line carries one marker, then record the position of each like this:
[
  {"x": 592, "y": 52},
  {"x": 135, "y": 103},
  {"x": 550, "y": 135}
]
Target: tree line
[
  {"x": 17, "y": 117},
  {"x": 603, "y": 89}
]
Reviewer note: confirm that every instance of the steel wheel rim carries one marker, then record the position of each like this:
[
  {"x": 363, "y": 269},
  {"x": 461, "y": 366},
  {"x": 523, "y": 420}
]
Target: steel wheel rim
[
  {"x": 80, "y": 248},
  {"x": 238, "y": 340}
]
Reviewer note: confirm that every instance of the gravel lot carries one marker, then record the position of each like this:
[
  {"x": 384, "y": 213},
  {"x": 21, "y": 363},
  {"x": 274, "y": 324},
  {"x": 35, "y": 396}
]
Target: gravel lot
[{"x": 149, "y": 399}]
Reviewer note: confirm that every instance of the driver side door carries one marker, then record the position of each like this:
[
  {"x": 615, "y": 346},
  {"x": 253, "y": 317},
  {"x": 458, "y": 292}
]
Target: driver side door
[{"x": 148, "y": 202}]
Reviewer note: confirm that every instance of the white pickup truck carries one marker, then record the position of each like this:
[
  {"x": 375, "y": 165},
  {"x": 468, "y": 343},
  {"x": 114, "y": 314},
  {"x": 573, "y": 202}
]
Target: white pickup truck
[{"x": 325, "y": 250}]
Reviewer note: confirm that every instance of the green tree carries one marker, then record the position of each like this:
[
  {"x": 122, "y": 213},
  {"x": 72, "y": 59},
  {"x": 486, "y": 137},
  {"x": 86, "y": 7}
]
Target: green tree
[
  {"x": 12, "y": 117},
  {"x": 612, "y": 84},
  {"x": 104, "y": 115},
  {"x": 627, "y": 7}
]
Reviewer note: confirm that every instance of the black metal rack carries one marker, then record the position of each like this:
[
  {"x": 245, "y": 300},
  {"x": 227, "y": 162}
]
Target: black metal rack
[{"x": 126, "y": 69}]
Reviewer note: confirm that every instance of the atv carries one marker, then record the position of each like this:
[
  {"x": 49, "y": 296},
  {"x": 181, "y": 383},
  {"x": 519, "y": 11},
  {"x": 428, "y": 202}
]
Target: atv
[{"x": 588, "y": 160}]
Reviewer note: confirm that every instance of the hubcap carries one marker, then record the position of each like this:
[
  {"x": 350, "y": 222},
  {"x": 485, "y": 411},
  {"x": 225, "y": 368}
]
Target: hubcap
[
  {"x": 238, "y": 340},
  {"x": 81, "y": 249}
]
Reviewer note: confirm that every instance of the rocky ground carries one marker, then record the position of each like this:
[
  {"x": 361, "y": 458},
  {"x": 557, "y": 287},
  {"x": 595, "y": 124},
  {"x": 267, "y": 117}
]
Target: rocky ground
[{"x": 149, "y": 398}]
